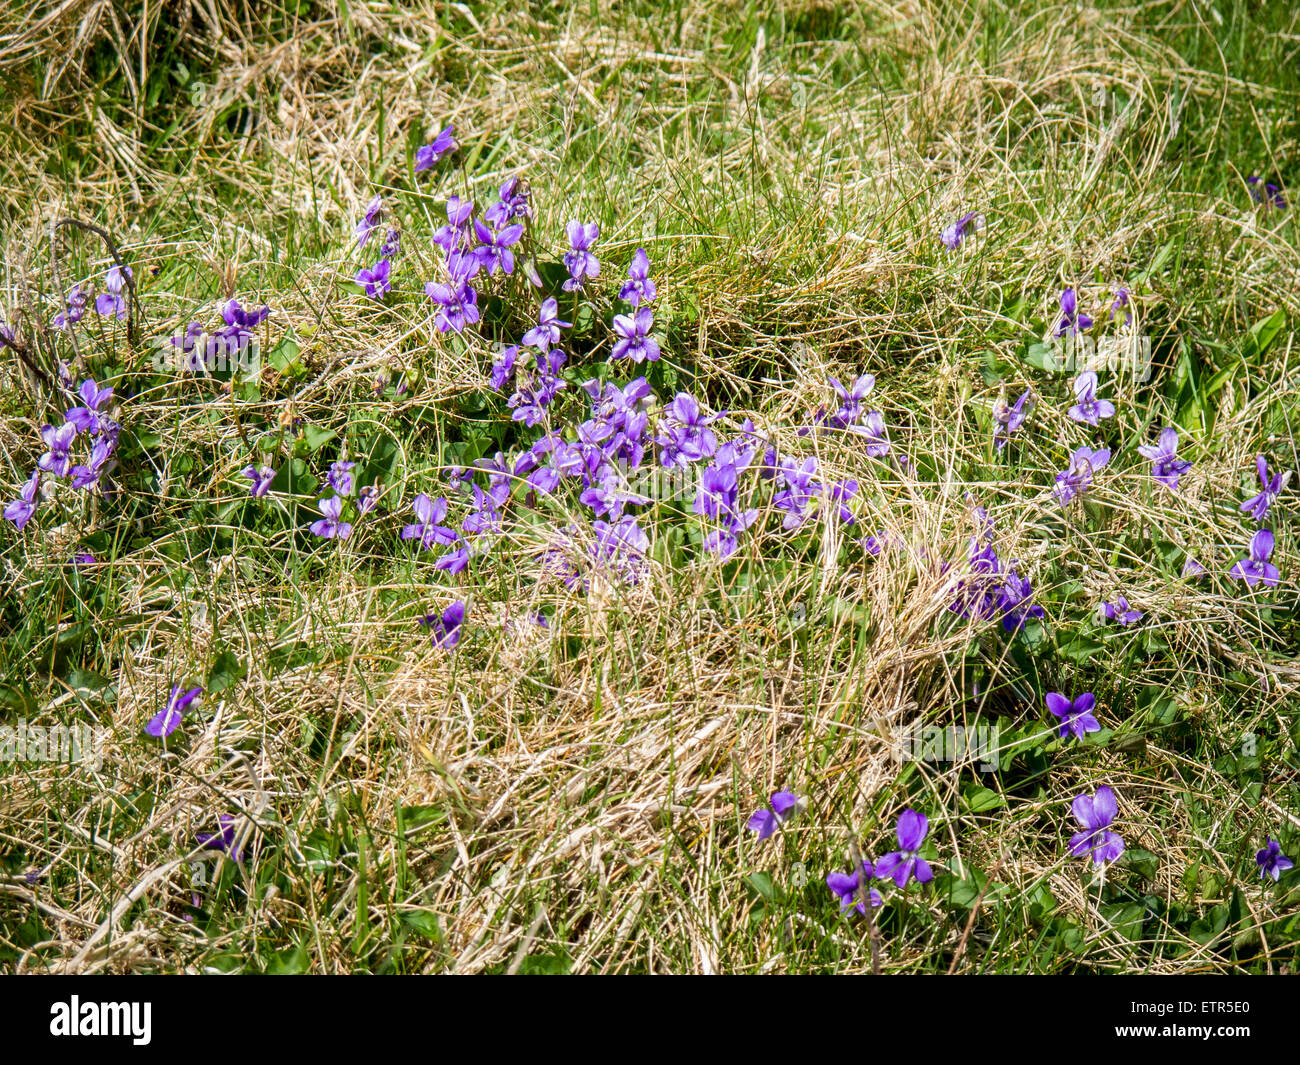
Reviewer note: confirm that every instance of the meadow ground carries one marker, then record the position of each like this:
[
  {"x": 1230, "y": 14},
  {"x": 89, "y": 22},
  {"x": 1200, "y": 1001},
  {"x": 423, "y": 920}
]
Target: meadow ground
[{"x": 826, "y": 590}]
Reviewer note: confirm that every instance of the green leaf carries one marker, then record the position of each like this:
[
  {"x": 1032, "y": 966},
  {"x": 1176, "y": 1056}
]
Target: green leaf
[
  {"x": 1081, "y": 649},
  {"x": 1043, "y": 357},
  {"x": 761, "y": 884},
  {"x": 226, "y": 672},
  {"x": 292, "y": 962},
  {"x": 423, "y": 923},
  {"x": 314, "y": 438},
  {"x": 981, "y": 800}
]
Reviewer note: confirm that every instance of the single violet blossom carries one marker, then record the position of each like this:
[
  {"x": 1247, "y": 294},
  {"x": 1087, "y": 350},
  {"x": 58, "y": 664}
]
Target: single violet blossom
[
  {"x": 638, "y": 288},
  {"x": 579, "y": 261},
  {"x": 901, "y": 865},
  {"x": 851, "y": 409},
  {"x": 374, "y": 279},
  {"x": 340, "y": 477},
  {"x": 1256, "y": 567},
  {"x": 457, "y": 305},
  {"x": 20, "y": 511},
  {"x": 784, "y": 806},
  {"x": 546, "y": 333},
  {"x": 1120, "y": 611},
  {"x": 1120, "y": 303},
  {"x": 1076, "y": 715},
  {"x": 1271, "y": 861},
  {"x": 635, "y": 341},
  {"x": 1084, "y": 462},
  {"x": 261, "y": 478},
  {"x": 57, "y": 460},
  {"x": 222, "y": 841},
  {"x": 1270, "y": 194},
  {"x": 110, "y": 304},
  {"x": 430, "y": 153},
  {"x": 87, "y": 476},
  {"x": 512, "y": 203},
  {"x": 952, "y": 236},
  {"x": 330, "y": 527},
  {"x": 370, "y": 220},
  {"x": 427, "y": 529},
  {"x": 1073, "y": 322},
  {"x": 445, "y": 628},
  {"x": 1166, "y": 466},
  {"x": 848, "y": 889},
  {"x": 87, "y": 418},
  {"x": 75, "y": 311},
  {"x": 1258, "y": 506},
  {"x": 165, "y": 721},
  {"x": 1095, "y": 814},
  {"x": 494, "y": 252},
  {"x": 1008, "y": 418},
  {"x": 367, "y": 497},
  {"x": 1087, "y": 408}
]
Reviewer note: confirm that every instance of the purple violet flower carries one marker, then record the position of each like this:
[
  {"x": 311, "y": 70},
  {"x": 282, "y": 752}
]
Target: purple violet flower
[
  {"x": 1256, "y": 567},
  {"x": 1076, "y": 717},
  {"x": 951, "y": 236},
  {"x": 1076, "y": 480},
  {"x": 1121, "y": 301},
  {"x": 457, "y": 305},
  {"x": 88, "y": 476},
  {"x": 374, "y": 279},
  {"x": 427, "y": 528},
  {"x": 455, "y": 234},
  {"x": 851, "y": 410},
  {"x": 110, "y": 302},
  {"x": 57, "y": 460},
  {"x": 1073, "y": 322},
  {"x": 224, "y": 840},
  {"x": 75, "y": 311},
  {"x": 580, "y": 262},
  {"x": 512, "y": 203},
  {"x": 546, "y": 333},
  {"x": 370, "y": 220},
  {"x": 339, "y": 477},
  {"x": 1120, "y": 611},
  {"x": 1088, "y": 409},
  {"x": 165, "y": 721},
  {"x": 848, "y": 889},
  {"x": 1008, "y": 419},
  {"x": 261, "y": 478},
  {"x": 21, "y": 509},
  {"x": 638, "y": 288},
  {"x": 445, "y": 628},
  {"x": 635, "y": 341},
  {"x": 1271, "y": 861},
  {"x": 87, "y": 418},
  {"x": 1166, "y": 466},
  {"x": 902, "y": 864},
  {"x": 494, "y": 251},
  {"x": 785, "y": 805},
  {"x": 1258, "y": 506},
  {"x": 1271, "y": 195},
  {"x": 430, "y": 153},
  {"x": 1095, "y": 815},
  {"x": 329, "y": 527}
]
